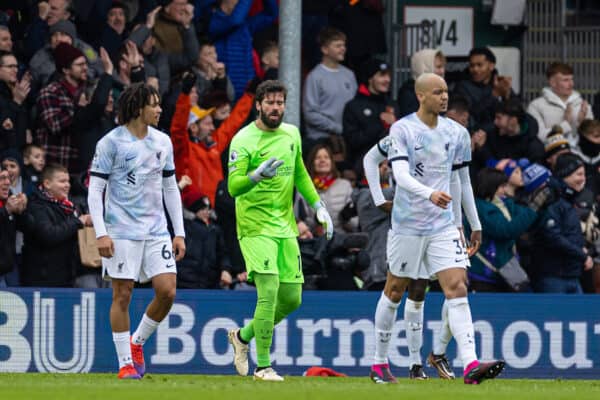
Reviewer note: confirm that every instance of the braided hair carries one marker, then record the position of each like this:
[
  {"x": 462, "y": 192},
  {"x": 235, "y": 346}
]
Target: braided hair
[{"x": 133, "y": 100}]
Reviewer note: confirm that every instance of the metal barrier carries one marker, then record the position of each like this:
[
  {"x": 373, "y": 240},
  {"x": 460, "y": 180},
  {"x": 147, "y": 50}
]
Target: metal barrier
[{"x": 549, "y": 39}]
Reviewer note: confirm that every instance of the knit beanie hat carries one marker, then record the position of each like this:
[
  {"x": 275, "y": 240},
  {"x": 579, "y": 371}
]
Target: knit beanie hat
[
  {"x": 64, "y": 26},
  {"x": 506, "y": 165},
  {"x": 566, "y": 164},
  {"x": 64, "y": 55},
  {"x": 195, "y": 200},
  {"x": 197, "y": 113},
  {"x": 534, "y": 176},
  {"x": 555, "y": 143}
]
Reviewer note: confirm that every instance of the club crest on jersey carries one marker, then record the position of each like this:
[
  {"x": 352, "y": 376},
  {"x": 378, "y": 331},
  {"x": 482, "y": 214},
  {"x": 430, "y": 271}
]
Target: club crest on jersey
[
  {"x": 233, "y": 156},
  {"x": 158, "y": 155},
  {"x": 447, "y": 146}
]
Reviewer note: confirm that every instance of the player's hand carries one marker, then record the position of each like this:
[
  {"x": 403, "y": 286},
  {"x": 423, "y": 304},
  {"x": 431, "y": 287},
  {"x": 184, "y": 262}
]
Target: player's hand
[
  {"x": 324, "y": 219},
  {"x": 266, "y": 170},
  {"x": 440, "y": 199},
  {"x": 106, "y": 247},
  {"x": 475, "y": 243},
  {"x": 178, "y": 248},
  {"x": 386, "y": 206}
]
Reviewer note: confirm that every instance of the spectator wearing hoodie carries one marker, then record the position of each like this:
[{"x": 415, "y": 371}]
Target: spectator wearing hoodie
[
  {"x": 559, "y": 253},
  {"x": 559, "y": 104},
  {"x": 369, "y": 115},
  {"x": 426, "y": 60},
  {"x": 485, "y": 88},
  {"x": 514, "y": 135},
  {"x": 42, "y": 65}
]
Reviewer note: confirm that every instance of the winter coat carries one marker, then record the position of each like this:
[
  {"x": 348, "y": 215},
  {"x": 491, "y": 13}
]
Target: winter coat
[
  {"x": 482, "y": 103},
  {"x": 179, "y": 43},
  {"x": 526, "y": 144},
  {"x": 549, "y": 110},
  {"x": 376, "y": 223},
  {"x": 225, "y": 209},
  {"x": 50, "y": 252},
  {"x": 8, "y": 237},
  {"x": 233, "y": 34},
  {"x": 205, "y": 257},
  {"x": 200, "y": 162},
  {"x": 499, "y": 236},
  {"x": 362, "y": 125},
  {"x": 559, "y": 242},
  {"x": 14, "y": 137}
]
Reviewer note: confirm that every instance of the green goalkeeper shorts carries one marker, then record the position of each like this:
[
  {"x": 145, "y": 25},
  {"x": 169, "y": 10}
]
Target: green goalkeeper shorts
[{"x": 274, "y": 256}]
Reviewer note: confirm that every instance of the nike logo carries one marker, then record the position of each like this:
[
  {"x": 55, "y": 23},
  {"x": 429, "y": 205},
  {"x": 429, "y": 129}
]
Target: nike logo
[
  {"x": 264, "y": 153},
  {"x": 417, "y": 148},
  {"x": 459, "y": 260},
  {"x": 170, "y": 265},
  {"x": 129, "y": 158}
]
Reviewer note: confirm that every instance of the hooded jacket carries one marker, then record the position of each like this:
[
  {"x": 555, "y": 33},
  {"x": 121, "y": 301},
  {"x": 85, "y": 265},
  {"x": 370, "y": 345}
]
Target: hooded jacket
[
  {"x": 549, "y": 110},
  {"x": 201, "y": 162},
  {"x": 421, "y": 62}
]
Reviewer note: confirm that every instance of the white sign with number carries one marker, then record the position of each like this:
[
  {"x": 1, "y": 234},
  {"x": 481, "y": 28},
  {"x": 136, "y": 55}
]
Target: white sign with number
[{"x": 450, "y": 28}]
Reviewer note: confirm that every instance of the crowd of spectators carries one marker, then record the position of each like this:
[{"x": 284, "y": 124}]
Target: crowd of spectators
[{"x": 63, "y": 64}]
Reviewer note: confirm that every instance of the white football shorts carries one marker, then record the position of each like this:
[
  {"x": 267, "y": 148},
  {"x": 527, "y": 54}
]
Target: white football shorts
[
  {"x": 422, "y": 257},
  {"x": 139, "y": 260}
]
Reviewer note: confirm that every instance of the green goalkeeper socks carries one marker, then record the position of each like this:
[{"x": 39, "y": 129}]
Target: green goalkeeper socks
[{"x": 275, "y": 302}]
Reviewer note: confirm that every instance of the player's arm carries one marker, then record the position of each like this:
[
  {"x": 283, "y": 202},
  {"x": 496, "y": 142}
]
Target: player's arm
[
  {"x": 240, "y": 179},
  {"x": 99, "y": 173},
  {"x": 375, "y": 156},
  {"x": 172, "y": 199},
  {"x": 455, "y": 192}
]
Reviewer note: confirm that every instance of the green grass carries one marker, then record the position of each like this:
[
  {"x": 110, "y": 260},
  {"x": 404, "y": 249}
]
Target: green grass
[{"x": 204, "y": 387}]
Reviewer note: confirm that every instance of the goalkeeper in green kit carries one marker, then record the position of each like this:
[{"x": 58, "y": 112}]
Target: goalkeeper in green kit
[{"x": 265, "y": 164}]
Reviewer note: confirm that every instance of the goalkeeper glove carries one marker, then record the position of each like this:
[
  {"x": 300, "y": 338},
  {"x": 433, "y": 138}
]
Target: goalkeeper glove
[
  {"x": 266, "y": 170},
  {"x": 324, "y": 218}
]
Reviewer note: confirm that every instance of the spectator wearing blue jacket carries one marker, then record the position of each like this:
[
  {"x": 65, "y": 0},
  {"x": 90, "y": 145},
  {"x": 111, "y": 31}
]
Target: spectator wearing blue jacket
[
  {"x": 559, "y": 253},
  {"x": 232, "y": 29}
]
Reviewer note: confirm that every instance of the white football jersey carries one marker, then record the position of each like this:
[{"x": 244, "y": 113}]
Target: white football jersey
[
  {"x": 134, "y": 169},
  {"x": 432, "y": 154}
]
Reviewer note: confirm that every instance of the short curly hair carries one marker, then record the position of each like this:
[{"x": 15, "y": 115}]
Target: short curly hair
[
  {"x": 133, "y": 99},
  {"x": 270, "y": 86}
]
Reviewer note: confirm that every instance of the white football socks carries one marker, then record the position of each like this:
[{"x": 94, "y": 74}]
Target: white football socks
[
  {"x": 461, "y": 325},
  {"x": 445, "y": 334},
  {"x": 123, "y": 348},
  {"x": 145, "y": 329},
  {"x": 385, "y": 316},
  {"x": 413, "y": 319}
]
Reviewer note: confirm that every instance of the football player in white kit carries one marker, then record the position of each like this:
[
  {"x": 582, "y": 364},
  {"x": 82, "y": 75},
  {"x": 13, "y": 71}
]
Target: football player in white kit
[
  {"x": 133, "y": 168},
  {"x": 428, "y": 153}
]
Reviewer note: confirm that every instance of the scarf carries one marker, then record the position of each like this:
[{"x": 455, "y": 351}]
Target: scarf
[
  {"x": 65, "y": 205},
  {"x": 323, "y": 183}
]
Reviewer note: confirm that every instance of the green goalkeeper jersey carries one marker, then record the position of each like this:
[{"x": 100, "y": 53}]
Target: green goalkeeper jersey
[{"x": 265, "y": 208}]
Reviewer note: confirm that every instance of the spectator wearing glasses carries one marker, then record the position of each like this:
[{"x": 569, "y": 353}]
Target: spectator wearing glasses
[{"x": 13, "y": 92}]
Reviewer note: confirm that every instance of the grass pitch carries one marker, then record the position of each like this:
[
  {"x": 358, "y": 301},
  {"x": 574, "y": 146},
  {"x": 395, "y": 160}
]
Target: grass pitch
[{"x": 186, "y": 387}]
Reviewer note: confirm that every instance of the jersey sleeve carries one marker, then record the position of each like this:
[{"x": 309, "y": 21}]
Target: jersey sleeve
[
  {"x": 239, "y": 159},
  {"x": 302, "y": 179},
  {"x": 462, "y": 156},
  {"x": 395, "y": 146},
  {"x": 169, "y": 168},
  {"x": 104, "y": 158}
]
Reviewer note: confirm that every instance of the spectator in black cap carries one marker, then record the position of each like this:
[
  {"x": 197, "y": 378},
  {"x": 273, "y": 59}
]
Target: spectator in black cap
[
  {"x": 369, "y": 115},
  {"x": 485, "y": 88},
  {"x": 559, "y": 253}
]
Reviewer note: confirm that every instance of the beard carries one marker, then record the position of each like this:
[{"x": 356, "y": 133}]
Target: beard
[{"x": 269, "y": 123}]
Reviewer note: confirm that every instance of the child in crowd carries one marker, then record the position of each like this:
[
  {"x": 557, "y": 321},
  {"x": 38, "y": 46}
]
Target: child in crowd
[{"x": 34, "y": 159}]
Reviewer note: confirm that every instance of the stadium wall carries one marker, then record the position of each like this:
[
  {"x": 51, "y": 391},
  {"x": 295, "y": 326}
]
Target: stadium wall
[{"x": 67, "y": 330}]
